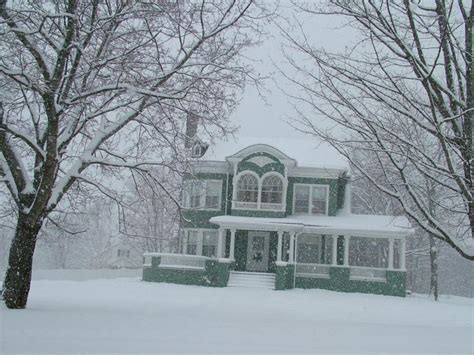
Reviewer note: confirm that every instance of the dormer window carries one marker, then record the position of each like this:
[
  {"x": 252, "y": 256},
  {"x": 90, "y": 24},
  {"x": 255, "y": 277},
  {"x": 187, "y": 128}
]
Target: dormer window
[{"x": 197, "y": 151}]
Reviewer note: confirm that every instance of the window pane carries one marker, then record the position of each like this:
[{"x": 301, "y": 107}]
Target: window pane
[
  {"x": 301, "y": 199},
  {"x": 209, "y": 243},
  {"x": 193, "y": 190},
  {"x": 247, "y": 189},
  {"x": 319, "y": 194},
  {"x": 308, "y": 249},
  {"x": 368, "y": 252},
  {"x": 213, "y": 194},
  {"x": 272, "y": 189},
  {"x": 191, "y": 245}
]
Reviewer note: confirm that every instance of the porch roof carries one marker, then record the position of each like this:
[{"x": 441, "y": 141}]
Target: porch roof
[{"x": 347, "y": 224}]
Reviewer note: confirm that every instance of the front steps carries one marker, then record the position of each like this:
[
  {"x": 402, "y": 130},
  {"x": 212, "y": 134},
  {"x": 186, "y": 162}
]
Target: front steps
[{"x": 252, "y": 280}]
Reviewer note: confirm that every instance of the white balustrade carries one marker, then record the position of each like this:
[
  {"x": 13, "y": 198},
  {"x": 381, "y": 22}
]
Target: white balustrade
[
  {"x": 367, "y": 273},
  {"x": 313, "y": 270},
  {"x": 178, "y": 261},
  {"x": 271, "y": 206}
]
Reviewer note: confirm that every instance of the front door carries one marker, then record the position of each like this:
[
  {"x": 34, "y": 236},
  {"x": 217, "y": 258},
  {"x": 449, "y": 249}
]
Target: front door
[{"x": 257, "y": 251}]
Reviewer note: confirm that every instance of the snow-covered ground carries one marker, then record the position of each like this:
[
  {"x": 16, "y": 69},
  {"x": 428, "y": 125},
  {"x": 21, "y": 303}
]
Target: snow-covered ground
[{"x": 126, "y": 315}]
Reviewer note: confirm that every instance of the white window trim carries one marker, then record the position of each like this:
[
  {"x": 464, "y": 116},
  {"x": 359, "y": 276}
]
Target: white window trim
[
  {"x": 326, "y": 186},
  {"x": 259, "y": 196},
  {"x": 200, "y": 239},
  {"x": 187, "y": 199}
]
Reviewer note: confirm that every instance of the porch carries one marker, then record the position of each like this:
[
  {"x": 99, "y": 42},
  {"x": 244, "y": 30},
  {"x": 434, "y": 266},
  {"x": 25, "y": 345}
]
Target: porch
[{"x": 333, "y": 255}]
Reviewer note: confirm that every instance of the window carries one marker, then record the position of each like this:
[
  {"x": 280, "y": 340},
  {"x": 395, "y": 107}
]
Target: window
[
  {"x": 213, "y": 194},
  {"x": 209, "y": 243},
  {"x": 368, "y": 252},
  {"x": 123, "y": 253},
  {"x": 272, "y": 190},
  {"x": 316, "y": 194},
  {"x": 197, "y": 151},
  {"x": 200, "y": 242},
  {"x": 190, "y": 242},
  {"x": 247, "y": 188},
  {"x": 205, "y": 194},
  {"x": 309, "y": 249}
]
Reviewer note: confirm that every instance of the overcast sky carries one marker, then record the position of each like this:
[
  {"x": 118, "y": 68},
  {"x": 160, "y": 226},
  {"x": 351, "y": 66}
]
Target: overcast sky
[{"x": 267, "y": 119}]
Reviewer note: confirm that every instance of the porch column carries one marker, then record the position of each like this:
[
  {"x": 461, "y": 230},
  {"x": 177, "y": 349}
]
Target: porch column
[
  {"x": 220, "y": 242},
  {"x": 232, "y": 244},
  {"x": 390, "y": 254},
  {"x": 402, "y": 254},
  {"x": 334, "y": 250},
  {"x": 280, "y": 244},
  {"x": 347, "y": 239},
  {"x": 291, "y": 258}
]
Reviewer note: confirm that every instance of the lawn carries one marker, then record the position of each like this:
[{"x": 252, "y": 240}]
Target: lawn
[{"x": 126, "y": 315}]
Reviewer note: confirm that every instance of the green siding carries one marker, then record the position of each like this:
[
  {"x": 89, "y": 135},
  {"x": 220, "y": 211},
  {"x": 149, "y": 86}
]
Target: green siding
[
  {"x": 216, "y": 274},
  {"x": 240, "y": 251},
  {"x": 395, "y": 284},
  {"x": 341, "y": 189},
  {"x": 284, "y": 277}
]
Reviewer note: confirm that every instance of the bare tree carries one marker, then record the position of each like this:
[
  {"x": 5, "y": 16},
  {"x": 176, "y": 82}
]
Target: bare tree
[
  {"x": 90, "y": 88},
  {"x": 150, "y": 217},
  {"x": 408, "y": 76}
]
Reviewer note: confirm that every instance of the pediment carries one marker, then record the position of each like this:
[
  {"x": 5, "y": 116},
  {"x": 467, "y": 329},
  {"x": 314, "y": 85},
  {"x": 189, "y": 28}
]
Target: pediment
[{"x": 261, "y": 155}]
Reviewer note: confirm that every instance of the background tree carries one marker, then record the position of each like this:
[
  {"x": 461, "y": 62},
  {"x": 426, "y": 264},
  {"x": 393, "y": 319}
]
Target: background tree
[
  {"x": 150, "y": 217},
  {"x": 403, "y": 95},
  {"x": 92, "y": 88}
]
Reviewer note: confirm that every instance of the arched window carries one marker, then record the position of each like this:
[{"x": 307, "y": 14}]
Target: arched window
[
  {"x": 272, "y": 189},
  {"x": 247, "y": 188}
]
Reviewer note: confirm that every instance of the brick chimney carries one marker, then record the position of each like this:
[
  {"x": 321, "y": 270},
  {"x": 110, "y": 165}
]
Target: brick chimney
[{"x": 192, "y": 121}]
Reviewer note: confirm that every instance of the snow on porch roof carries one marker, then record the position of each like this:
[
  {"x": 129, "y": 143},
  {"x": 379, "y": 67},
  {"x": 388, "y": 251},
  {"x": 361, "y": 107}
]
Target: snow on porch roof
[{"x": 347, "y": 224}]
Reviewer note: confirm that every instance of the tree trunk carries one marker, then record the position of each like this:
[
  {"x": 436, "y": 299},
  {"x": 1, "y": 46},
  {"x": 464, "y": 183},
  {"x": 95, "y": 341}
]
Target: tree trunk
[
  {"x": 20, "y": 262},
  {"x": 434, "y": 268}
]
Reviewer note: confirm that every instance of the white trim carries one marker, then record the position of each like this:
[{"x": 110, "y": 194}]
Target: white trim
[
  {"x": 320, "y": 172},
  {"x": 257, "y": 148},
  {"x": 311, "y": 199},
  {"x": 259, "y": 202}
]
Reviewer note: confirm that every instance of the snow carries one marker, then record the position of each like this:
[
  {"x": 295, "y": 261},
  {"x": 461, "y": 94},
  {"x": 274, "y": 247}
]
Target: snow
[
  {"x": 126, "y": 315},
  {"x": 307, "y": 152},
  {"x": 347, "y": 223}
]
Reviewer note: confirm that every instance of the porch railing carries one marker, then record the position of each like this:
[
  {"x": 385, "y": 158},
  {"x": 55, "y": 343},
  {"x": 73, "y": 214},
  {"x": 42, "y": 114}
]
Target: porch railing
[
  {"x": 367, "y": 273},
  {"x": 177, "y": 261},
  {"x": 313, "y": 270}
]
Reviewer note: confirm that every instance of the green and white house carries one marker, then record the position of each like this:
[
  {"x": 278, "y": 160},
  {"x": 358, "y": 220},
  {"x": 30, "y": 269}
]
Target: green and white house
[{"x": 258, "y": 218}]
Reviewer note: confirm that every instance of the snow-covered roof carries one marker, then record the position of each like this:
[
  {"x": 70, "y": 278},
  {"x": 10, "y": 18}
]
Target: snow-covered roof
[
  {"x": 344, "y": 224},
  {"x": 306, "y": 152}
]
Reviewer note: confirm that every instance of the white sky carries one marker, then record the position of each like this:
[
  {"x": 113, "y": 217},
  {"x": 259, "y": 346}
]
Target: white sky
[{"x": 259, "y": 118}]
